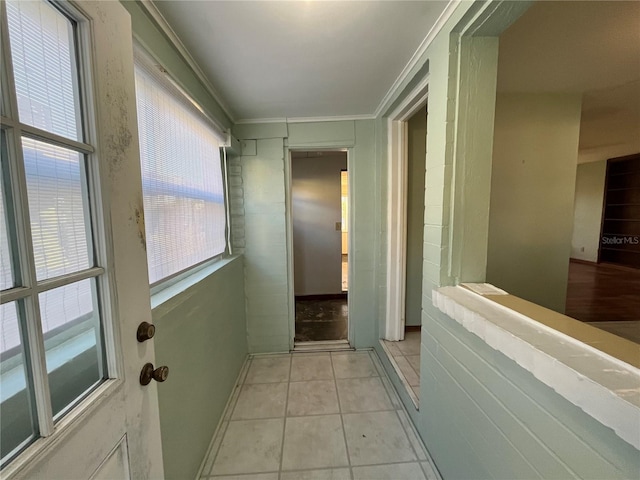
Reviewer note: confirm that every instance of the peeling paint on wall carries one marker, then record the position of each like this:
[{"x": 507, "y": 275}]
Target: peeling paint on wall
[
  {"x": 138, "y": 216},
  {"x": 119, "y": 139}
]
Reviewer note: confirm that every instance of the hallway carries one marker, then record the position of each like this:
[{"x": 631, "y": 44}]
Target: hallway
[{"x": 325, "y": 416}]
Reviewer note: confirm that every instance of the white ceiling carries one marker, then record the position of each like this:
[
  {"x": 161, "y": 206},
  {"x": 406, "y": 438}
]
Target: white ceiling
[
  {"x": 588, "y": 47},
  {"x": 273, "y": 59}
]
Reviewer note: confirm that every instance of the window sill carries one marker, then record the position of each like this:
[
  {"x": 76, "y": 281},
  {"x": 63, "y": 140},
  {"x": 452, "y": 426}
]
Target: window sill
[
  {"x": 165, "y": 297},
  {"x": 593, "y": 369}
]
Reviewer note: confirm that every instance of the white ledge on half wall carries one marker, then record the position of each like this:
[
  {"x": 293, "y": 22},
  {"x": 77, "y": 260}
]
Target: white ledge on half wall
[{"x": 606, "y": 388}]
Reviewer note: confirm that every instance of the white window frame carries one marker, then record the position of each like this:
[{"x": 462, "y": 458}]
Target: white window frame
[{"x": 50, "y": 429}]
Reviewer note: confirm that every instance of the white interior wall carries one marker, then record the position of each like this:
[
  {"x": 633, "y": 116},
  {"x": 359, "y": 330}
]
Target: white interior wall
[
  {"x": 416, "y": 168},
  {"x": 588, "y": 210},
  {"x": 316, "y": 202},
  {"x": 532, "y": 194}
]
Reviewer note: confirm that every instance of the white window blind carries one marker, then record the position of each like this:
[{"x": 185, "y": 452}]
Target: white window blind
[
  {"x": 181, "y": 176},
  {"x": 44, "y": 70}
]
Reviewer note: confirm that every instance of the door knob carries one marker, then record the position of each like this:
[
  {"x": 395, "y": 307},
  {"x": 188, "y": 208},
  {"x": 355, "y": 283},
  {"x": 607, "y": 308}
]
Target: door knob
[
  {"x": 149, "y": 373},
  {"x": 146, "y": 331}
]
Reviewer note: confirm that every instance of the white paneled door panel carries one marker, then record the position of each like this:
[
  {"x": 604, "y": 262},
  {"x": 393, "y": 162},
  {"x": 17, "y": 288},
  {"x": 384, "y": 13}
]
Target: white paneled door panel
[{"x": 76, "y": 195}]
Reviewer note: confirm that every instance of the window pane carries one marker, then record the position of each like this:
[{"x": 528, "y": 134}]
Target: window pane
[
  {"x": 181, "y": 179},
  {"x": 59, "y": 217},
  {"x": 16, "y": 414},
  {"x": 43, "y": 53},
  {"x": 6, "y": 260},
  {"x": 72, "y": 340}
]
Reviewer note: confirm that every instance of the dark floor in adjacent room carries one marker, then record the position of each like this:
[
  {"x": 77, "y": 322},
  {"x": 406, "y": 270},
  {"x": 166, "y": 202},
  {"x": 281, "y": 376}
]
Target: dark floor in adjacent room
[
  {"x": 321, "y": 319},
  {"x": 605, "y": 296}
]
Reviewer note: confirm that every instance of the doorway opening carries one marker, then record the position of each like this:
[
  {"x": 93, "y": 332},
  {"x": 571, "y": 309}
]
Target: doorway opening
[
  {"x": 319, "y": 209},
  {"x": 402, "y": 343},
  {"x": 573, "y": 136},
  {"x": 344, "y": 199}
]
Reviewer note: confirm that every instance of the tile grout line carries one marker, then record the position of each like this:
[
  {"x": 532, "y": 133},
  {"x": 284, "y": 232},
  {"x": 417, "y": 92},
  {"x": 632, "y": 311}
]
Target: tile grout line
[
  {"x": 344, "y": 432},
  {"x": 403, "y": 378},
  {"x": 429, "y": 459},
  {"x": 393, "y": 409},
  {"x": 404, "y": 429},
  {"x": 408, "y": 428},
  {"x": 248, "y": 386},
  {"x": 391, "y": 392},
  {"x": 298, "y": 470},
  {"x": 240, "y": 389},
  {"x": 414, "y": 371},
  {"x": 239, "y": 385},
  {"x": 320, "y": 469},
  {"x": 284, "y": 419}
]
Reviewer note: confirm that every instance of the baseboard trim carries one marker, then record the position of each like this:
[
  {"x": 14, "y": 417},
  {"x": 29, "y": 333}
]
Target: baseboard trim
[
  {"x": 328, "y": 296},
  {"x": 584, "y": 262},
  {"x": 613, "y": 266},
  {"x": 322, "y": 346}
]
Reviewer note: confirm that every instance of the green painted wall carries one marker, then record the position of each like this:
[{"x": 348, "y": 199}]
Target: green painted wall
[
  {"x": 532, "y": 192},
  {"x": 147, "y": 33},
  {"x": 587, "y": 213},
  {"x": 261, "y": 229},
  {"x": 201, "y": 331},
  {"x": 201, "y": 336},
  {"x": 265, "y": 246},
  {"x": 481, "y": 415},
  {"x": 486, "y": 417},
  {"x": 416, "y": 165}
]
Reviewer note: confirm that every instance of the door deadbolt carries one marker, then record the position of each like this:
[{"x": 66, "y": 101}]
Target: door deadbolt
[
  {"x": 145, "y": 332},
  {"x": 149, "y": 373}
]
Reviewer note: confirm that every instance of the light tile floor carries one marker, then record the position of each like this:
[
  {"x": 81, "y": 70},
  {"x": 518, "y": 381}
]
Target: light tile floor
[
  {"x": 405, "y": 358},
  {"x": 316, "y": 416}
]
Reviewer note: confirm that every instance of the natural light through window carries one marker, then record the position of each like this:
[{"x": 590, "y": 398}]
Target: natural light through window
[
  {"x": 181, "y": 177},
  {"x": 50, "y": 276}
]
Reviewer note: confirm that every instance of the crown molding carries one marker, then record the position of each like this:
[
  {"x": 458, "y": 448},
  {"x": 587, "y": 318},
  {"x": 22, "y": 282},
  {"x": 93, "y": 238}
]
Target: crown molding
[
  {"x": 162, "y": 23},
  {"x": 413, "y": 61},
  {"x": 249, "y": 121},
  {"x": 333, "y": 118}
]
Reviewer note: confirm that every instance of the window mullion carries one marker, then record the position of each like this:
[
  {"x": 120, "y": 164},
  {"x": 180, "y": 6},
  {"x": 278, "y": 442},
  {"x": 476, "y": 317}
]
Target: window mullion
[
  {"x": 61, "y": 281},
  {"x": 27, "y": 266},
  {"x": 6, "y": 121},
  {"x": 38, "y": 361},
  {"x": 8, "y": 102},
  {"x": 54, "y": 139},
  {"x": 14, "y": 294},
  {"x": 9, "y": 99}
]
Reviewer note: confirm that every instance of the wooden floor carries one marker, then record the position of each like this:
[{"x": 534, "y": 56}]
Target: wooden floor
[{"x": 603, "y": 293}]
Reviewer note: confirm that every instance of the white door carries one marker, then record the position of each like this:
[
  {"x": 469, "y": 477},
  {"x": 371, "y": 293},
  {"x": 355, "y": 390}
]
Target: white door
[{"x": 74, "y": 270}]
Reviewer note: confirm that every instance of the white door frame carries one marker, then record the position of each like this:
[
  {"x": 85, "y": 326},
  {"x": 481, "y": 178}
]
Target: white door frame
[
  {"x": 397, "y": 158},
  {"x": 289, "y": 214}
]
